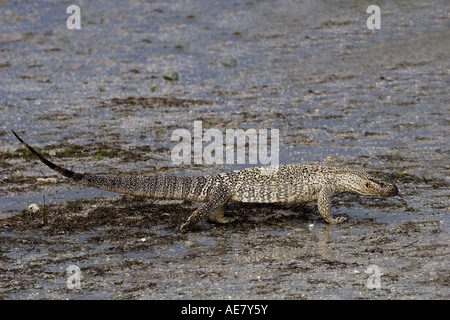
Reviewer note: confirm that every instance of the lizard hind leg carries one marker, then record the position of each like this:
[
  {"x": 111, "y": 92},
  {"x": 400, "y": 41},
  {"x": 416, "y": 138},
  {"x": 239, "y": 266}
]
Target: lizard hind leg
[{"x": 212, "y": 210}]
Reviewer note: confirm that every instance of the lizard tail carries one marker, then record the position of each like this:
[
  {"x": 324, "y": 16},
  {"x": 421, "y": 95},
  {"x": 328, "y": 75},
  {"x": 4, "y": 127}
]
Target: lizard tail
[{"x": 65, "y": 172}]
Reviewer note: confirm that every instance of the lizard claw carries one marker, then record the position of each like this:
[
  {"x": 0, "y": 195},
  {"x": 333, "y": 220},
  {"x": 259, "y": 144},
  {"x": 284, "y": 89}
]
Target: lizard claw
[
  {"x": 337, "y": 220},
  {"x": 340, "y": 219},
  {"x": 184, "y": 227}
]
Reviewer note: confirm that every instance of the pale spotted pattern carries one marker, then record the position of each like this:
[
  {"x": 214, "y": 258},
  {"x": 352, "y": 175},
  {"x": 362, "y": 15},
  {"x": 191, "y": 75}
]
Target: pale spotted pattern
[{"x": 284, "y": 184}]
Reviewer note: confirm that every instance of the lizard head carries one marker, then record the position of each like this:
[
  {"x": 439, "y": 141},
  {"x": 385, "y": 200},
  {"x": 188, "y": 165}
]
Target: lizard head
[{"x": 367, "y": 185}]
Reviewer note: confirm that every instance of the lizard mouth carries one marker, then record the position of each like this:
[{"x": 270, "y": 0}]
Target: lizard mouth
[
  {"x": 392, "y": 191},
  {"x": 385, "y": 190}
]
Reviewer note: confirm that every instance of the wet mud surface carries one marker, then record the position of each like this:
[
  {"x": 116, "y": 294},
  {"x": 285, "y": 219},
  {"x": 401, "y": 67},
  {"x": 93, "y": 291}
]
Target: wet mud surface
[{"x": 340, "y": 95}]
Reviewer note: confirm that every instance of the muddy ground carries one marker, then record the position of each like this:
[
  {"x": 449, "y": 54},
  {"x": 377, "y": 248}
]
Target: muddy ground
[{"x": 340, "y": 95}]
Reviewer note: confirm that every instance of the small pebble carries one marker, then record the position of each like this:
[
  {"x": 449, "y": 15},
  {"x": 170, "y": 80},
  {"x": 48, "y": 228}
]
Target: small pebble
[
  {"x": 170, "y": 75},
  {"x": 46, "y": 180},
  {"x": 33, "y": 208},
  {"x": 228, "y": 61}
]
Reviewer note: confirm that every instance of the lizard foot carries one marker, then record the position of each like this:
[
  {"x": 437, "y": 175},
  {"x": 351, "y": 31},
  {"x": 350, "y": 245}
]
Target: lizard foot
[{"x": 337, "y": 220}]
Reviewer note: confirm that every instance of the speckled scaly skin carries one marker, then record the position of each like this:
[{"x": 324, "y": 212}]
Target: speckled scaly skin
[{"x": 283, "y": 184}]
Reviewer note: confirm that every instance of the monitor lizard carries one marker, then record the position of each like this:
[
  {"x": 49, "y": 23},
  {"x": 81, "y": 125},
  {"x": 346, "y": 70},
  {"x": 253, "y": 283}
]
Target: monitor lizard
[{"x": 287, "y": 184}]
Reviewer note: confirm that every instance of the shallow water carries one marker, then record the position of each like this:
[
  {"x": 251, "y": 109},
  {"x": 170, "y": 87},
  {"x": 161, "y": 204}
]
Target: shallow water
[{"x": 339, "y": 94}]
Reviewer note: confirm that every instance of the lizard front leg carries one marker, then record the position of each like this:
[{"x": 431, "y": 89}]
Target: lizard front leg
[
  {"x": 212, "y": 210},
  {"x": 324, "y": 206}
]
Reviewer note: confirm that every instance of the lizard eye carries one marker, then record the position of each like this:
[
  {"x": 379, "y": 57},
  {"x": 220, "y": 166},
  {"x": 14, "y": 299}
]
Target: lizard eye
[{"x": 367, "y": 185}]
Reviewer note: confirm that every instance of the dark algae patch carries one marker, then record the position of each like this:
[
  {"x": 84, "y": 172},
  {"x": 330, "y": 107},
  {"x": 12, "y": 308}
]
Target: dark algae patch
[{"x": 20, "y": 153}]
